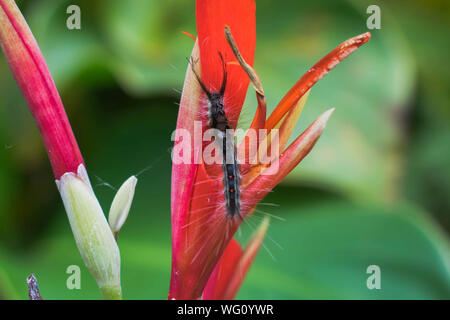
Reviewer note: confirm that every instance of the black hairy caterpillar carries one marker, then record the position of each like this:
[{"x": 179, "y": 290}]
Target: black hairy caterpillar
[{"x": 230, "y": 166}]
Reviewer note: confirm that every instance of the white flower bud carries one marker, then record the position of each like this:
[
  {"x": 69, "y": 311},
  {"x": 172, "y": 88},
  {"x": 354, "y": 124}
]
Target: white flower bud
[{"x": 121, "y": 204}]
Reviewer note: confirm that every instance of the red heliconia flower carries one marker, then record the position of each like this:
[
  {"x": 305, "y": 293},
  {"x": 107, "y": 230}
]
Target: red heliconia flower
[{"x": 201, "y": 228}]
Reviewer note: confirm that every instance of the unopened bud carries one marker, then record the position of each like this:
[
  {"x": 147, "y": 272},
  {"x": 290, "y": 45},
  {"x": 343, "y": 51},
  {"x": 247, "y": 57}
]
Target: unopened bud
[{"x": 121, "y": 204}]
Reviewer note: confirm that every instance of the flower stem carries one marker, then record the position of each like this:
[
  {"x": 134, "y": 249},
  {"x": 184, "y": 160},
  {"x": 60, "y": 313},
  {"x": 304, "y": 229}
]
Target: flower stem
[{"x": 111, "y": 292}]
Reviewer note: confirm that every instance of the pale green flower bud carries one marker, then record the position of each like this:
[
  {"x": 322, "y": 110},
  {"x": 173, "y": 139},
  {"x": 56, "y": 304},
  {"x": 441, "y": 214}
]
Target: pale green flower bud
[
  {"x": 121, "y": 204},
  {"x": 93, "y": 236}
]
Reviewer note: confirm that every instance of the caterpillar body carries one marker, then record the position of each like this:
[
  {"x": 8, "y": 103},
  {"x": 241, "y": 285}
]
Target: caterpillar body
[{"x": 218, "y": 120}]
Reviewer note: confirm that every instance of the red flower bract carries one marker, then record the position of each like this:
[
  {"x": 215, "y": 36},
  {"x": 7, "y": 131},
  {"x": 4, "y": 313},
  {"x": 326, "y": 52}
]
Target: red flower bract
[
  {"x": 212, "y": 16},
  {"x": 232, "y": 267},
  {"x": 35, "y": 81}
]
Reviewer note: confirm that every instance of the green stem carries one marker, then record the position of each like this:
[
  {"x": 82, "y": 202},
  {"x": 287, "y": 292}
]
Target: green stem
[{"x": 111, "y": 292}]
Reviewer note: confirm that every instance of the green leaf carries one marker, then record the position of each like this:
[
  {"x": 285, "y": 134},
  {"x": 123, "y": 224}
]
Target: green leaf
[{"x": 328, "y": 247}]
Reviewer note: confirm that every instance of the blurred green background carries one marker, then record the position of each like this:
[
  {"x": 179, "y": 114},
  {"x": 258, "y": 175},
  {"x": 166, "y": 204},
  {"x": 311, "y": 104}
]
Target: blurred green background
[{"x": 374, "y": 191}]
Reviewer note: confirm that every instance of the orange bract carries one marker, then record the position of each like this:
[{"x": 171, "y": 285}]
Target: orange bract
[{"x": 316, "y": 73}]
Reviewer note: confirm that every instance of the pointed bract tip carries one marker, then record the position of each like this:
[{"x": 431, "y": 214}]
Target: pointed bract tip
[
  {"x": 358, "y": 40},
  {"x": 324, "y": 117},
  {"x": 262, "y": 229},
  {"x": 365, "y": 37}
]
